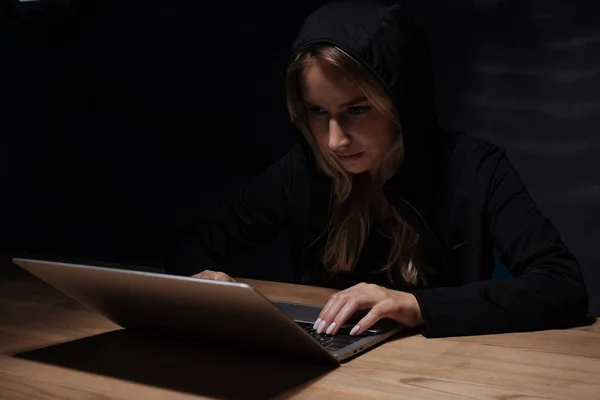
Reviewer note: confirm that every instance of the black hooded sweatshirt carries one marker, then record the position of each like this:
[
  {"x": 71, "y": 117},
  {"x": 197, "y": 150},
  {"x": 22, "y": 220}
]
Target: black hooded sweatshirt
[{"x": 460, "y": 193}]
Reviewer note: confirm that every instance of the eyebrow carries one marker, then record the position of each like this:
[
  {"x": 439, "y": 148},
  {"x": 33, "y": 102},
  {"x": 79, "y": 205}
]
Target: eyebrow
[{"x": 352, "y": 102}]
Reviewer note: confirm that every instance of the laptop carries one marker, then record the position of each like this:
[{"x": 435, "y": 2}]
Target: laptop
[{"x": 226, "y": 312}]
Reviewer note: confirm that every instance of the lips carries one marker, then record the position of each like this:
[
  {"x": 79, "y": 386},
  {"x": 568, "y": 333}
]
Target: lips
[{"x": 349, "y": 156}]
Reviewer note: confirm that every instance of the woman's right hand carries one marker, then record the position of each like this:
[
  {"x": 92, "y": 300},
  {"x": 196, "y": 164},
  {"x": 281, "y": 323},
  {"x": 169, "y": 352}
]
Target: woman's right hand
[{"x": 213, "y": 275}]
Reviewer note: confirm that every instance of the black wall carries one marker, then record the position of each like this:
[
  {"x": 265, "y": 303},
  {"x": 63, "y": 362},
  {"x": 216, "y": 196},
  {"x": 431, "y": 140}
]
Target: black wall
[{"x": 127, "y": 118}]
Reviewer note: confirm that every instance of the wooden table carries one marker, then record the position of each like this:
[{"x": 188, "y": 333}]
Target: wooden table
[{"x": 52, "y": 347}]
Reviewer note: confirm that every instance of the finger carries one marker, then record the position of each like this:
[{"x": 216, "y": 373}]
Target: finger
[
  {"x": 346, "y": 312},
  {"x": 334, "y": 297},
  {"x": 368, "y": 321},
  {"x": 221, "y": 276},
  {"x": 201, "y": 275},
  {"x": 214, "y": 276},
  {"x": 207, "y": 275},
  {"x": 228, "y": 278},
  {"x": 330, "y": 301},
  {"x": 329, "y": 314},
  {"x": 334, "y": 300}
]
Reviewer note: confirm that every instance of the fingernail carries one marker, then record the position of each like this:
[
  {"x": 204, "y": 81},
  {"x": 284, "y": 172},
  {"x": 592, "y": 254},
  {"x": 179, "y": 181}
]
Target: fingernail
[
  {"x": 316, "y": 325},
  {"x": 354, "y": 330},
  {"x": 321, "y": 327},
  {"x": 330, "y": 329}
]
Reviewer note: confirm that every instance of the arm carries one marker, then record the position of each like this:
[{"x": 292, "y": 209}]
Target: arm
[
  {"x": 255, "y": 216},
  {"x": 547, "y": 291}
]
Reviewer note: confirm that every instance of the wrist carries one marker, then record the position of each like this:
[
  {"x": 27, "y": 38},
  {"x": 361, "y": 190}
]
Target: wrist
[
  {"x": 415, "y": 311},
  {"x": 408, "y": 311}
]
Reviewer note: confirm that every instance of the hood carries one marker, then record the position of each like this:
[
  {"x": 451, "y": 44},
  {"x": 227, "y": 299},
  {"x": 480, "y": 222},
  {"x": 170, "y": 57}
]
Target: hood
[{"x": 391, "y": 47}]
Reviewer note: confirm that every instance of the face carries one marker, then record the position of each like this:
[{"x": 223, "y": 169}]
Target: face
[{"x": 343, "y": 121}]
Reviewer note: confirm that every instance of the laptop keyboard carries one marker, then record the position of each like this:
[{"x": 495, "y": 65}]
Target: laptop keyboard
[{"x": 332, "y": 342}]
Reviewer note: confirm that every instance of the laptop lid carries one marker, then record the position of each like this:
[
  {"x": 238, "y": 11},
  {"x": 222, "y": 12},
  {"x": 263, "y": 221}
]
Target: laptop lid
[{"x": 226, "y": 312}]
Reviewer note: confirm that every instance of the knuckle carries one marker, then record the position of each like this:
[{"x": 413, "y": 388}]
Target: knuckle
[
  {"x": 352, "y": 302},
  {"x": 379, "y": 311},
  {"x": 389, "y": 303},
  {"x": 209, "y": 275}
]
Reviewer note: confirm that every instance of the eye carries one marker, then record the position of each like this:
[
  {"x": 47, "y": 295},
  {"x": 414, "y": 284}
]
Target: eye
[
  {"x": 316, "y": 110},
  {"x": 357, "y": 110}
]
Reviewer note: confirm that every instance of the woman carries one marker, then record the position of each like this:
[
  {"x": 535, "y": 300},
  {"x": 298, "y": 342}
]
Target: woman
[{"x": 382, "y": 203}]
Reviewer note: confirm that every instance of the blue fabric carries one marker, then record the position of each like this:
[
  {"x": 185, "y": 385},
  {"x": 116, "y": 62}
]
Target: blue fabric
[{"x": 500, "y": 270}]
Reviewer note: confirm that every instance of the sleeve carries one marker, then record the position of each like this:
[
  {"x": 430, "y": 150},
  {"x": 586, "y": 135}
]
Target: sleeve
[
  {"x": 547, "y": 290},
  {"x": 258, "y": 212}
]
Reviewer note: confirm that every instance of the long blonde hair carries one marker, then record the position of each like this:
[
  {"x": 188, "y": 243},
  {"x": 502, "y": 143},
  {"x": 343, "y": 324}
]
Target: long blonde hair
[{"x": 351, "y": 211}]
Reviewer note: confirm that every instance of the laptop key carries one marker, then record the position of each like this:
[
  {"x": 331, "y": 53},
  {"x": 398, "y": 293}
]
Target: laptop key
[
  {"x": 323, "y": 339},
  {"x": 333, "y": 342}
]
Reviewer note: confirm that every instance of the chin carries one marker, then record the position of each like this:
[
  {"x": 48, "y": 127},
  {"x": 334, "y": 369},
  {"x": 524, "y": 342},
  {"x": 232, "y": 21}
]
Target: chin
[
  {"x": 356, "y": 169},
  {"x": 357, "y": 165}
]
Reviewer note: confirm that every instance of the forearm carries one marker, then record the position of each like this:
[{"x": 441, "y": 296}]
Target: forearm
[{"x": 536, "y": 301}]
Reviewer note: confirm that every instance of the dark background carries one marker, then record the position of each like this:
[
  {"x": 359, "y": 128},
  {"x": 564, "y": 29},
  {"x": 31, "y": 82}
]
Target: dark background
[{"x": 121, "y": 119}]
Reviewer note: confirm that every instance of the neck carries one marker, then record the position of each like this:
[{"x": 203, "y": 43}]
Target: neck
[{"x": 374, "y": 196}]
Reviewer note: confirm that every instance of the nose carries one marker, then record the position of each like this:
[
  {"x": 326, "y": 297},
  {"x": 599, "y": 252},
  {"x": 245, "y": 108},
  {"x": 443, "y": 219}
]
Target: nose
[{"x": 338, "y": 139}]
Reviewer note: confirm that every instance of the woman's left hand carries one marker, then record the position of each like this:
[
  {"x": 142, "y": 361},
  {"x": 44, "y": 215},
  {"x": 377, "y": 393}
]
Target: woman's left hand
[{"x": 384, "y": 303}]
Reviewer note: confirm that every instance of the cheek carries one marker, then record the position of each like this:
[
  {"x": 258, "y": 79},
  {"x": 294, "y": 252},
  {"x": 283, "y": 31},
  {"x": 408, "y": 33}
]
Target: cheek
[
  {"x": 384, "y": 138},
  {"x": 375, "y": 134}
]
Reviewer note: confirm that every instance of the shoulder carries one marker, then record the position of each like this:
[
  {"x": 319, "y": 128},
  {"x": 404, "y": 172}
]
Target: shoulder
[
  {"x": 470, "y": 167},
  {"x": 291, "y": 165},
  {"x": 470, "y": 148},
  {"x": 295, "y": 171}
]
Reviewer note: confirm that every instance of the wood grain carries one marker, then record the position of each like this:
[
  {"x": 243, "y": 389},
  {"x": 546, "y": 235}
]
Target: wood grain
[{"x": 53, "y": 348}]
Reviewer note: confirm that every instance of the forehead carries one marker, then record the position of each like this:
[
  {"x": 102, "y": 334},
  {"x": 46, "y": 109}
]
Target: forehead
[{"x": 328, "y": 85}]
